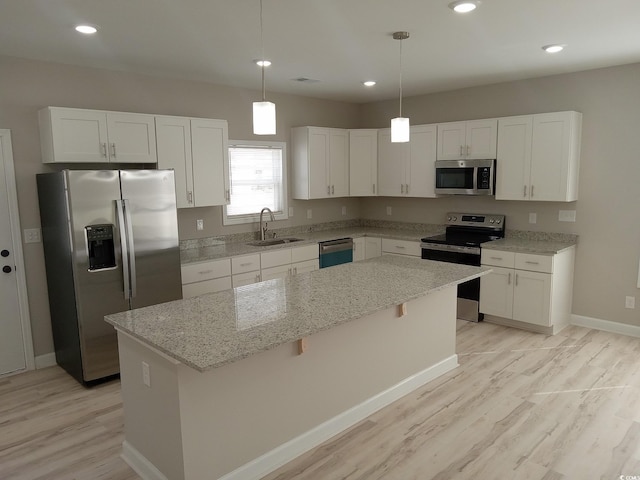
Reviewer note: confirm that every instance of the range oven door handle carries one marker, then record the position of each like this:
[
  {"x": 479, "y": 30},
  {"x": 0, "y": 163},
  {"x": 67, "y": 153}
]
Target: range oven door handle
[{"x": 450, "y": 248}]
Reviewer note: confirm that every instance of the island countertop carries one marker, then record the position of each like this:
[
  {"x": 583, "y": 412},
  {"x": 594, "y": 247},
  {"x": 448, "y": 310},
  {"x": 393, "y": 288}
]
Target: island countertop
[{"x": 219, "y": 328}]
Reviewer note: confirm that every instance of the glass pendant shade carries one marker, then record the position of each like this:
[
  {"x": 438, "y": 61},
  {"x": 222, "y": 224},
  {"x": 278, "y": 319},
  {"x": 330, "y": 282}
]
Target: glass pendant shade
[
  {"x": 264, "y": 118},
  {"x": 399, "y": 130}
]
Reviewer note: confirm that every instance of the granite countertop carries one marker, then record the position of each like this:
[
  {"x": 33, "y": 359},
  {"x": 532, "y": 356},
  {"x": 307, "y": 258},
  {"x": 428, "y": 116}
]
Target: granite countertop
[
  {"x": 530, "y": 245},
  {"x": 202, "y": 254},
  {"x": 219, "y": 328}
]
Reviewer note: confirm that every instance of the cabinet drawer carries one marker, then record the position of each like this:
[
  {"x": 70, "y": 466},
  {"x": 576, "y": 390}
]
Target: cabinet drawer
[
  {"x": 197, "y": 272},
  {"x": 243, "y": 279},
  {"x": 534, "y": 263},
  {"x": 306, "y": 266},
  {"x": 275, "y": 258},
  {"x": 498, "y": 258},
  {"x": 308, "y": 252},
  {"x": 245, "y": 263},
  {"x": 401, "y": 247},
  {"x": 208, "y": 286}
]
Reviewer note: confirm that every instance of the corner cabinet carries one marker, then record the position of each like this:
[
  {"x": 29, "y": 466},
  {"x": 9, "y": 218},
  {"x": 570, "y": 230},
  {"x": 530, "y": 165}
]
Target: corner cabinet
[
  {"x": 473, "y": 139},
  {"x": 538, "y": 157},
  {"x": 363, "y": 163},
  {"x": 197, "y": 150},
  {"x": 528, "y": 290},
  {"x": 407, "y": 169},
  {"x": 320, "y": 162},
  {"x": 73, "y": 135}
]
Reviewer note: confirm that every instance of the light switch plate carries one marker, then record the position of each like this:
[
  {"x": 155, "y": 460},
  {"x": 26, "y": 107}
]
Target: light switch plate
[
  {"x": 344, "y": 210},
  {"x": 199, "y": 224},
  {"x": 291, "y": 211},
  {"x": 567, "y": 215},
  {"x": 309, "y": 213},
  {"x": 630, "y": 302},
  {"x": 32, "y": 235},
  {"x": 388, "y": 210},
  {"x": 533, "y": 217}
]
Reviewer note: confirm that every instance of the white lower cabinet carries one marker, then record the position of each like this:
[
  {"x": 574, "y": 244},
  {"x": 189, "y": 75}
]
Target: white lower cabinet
[
  {"x": 401, "y": 247},
  {"x": 528, "y": 289},
  {"x": 366, "y": 247},
  {"x": 285, "y": 262},
  {"x": 245, "y": 270},
  {"x": 206, "y": 277}
]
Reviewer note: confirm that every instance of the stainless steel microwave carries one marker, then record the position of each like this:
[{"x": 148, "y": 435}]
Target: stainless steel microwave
[{"x": 465, "y": 177}]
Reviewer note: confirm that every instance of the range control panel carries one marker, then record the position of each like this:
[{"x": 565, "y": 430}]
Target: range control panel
[{"x": 491, "y": 221}]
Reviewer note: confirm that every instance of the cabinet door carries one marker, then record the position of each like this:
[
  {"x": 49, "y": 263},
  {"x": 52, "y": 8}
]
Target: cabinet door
[
  {"x": 75, "y": 135},
  {"x": 358, "y": 249},
  {"x": 451, "y": 140},
  {"x": 303, "y": 267},
  {"x": 481, "y": 137},
  {"x": 209, "y": 150},
  {"x": 513, "y": 162},
  {"x": 372, "y": 247},
  {"x": 392, "y": 158},
  {"x": 208, "y": 286},
  {"x": 339, "y": 163},
  {"x": 532, "y": 297},
  {"x": 242, "y": 279},
  {"x": 421, "y": 171},
  {"x": 550, "y": 156},
  {"x": 363, "y": 163},
  {"x": 173, "y": 136},
  {"x": 281, "y": 271},
  {"x": 496, "y": 292},
  {"x": 132, "y": 138},
  {"x": 319, "y": 148}
]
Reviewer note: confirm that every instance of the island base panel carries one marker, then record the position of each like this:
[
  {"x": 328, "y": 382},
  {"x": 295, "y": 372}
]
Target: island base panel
[{"x": 240, "y": 420}]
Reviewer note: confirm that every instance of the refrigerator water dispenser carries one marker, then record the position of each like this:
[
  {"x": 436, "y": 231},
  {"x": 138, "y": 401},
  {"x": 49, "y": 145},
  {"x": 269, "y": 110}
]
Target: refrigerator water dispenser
[{"x": 100, "y": 246}]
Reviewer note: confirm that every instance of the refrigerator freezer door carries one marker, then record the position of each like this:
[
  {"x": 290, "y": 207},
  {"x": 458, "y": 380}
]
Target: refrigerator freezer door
[
  {"x": 91, "y": 197},
  {"x": 150, "y": 206}
]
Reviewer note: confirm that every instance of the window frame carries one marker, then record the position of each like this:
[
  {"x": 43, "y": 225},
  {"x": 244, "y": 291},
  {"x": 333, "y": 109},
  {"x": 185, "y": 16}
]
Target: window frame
[{"x": 255, "y": 217}]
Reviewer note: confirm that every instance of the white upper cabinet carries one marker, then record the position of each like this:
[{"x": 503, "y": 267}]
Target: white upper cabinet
[
  {"x": 407, "y": 169},
  {"x": 72, "y": 135},
  {"x": 473, "y": 139},
  {"x": 320, "y": 162},
  {"x": 197, "y": 150},
  {"x": 363, "y": 163},
  {"x": 539, "y": 157}
]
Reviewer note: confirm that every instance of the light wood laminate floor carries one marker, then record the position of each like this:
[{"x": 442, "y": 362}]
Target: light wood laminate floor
[{"x": 520, "y": 406}]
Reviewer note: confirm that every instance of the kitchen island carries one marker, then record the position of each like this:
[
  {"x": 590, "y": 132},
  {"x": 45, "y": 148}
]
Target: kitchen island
[{"x": 236, "y": 383}]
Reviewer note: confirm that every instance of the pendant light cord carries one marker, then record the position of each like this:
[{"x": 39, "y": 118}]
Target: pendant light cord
[
  {"x": 262, "y": 47},
  {"x": 400, "y": 76}
]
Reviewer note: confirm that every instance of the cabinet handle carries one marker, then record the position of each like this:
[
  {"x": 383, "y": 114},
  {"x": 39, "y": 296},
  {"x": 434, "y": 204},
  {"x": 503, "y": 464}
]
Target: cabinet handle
[
  {"x": 258, "y": 277},
  {"x": 402, "y": 188},
  {"x": 496, "y": 258},
  {"x": 203, "y": 272},
  {"x": 400, "y": 247},
  {"x": 525, "y": 192},
  {"x": 189, "y": 197},
  {"x": 295, "y": 270},
  {"x": 532, "y": 191},
  {"x": 333, "y": 189},
  {"x": 468, "y": 149},
  {"x": 290, "y": 271},
  {"x": 374, "y": 188},
  {"x": 532, "y": 263},
  {"x": 406, "y": 188},
  {"x": 516, "y": 279},
  {"x": 509, "y": 279},
  {"x": 103, "y": 146},
  {"x": 228, "y": 195},
  {"x": 246, "y": 264},
  {"x": 461, "y": 150},
  {"x": 113, "y": 149},
  {"x": 328, "y": 190}
]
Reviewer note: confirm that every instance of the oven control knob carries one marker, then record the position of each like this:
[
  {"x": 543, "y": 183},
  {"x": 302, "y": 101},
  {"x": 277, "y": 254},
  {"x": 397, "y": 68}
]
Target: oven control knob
[
  {"x": 448, "y": 219},
  {"x": 492, "y": 221},
  {"x": 454, "y": 218},
  {"x": 498, "y": 222}
]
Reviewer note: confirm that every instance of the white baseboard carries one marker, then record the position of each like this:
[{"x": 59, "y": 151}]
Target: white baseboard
[
  {"x": 46, "y": 360},
  {"x": 286, "y": 452},
  {"x": 139, "y": 463},
  {"x": 606, "y": 325}
]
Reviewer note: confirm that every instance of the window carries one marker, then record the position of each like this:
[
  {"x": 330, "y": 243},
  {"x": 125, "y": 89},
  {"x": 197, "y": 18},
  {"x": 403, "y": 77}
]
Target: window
[{"x": 257, "y": 177}]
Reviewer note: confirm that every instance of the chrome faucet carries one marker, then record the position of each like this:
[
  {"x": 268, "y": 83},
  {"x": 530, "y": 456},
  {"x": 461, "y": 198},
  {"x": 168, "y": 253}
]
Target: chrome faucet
[{"x": 263, "y": 230}]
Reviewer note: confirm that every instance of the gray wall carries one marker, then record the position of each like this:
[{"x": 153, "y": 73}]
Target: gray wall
[
  {"x": 26, "y": 86},
  {"x": 608, "y": 208}
]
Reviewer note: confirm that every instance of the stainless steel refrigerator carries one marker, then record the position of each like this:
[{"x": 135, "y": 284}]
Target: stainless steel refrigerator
[{"x": 111, "y": 244}]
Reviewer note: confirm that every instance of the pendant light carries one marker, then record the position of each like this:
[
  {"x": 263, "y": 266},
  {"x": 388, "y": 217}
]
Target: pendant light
[
  {"x": 264, "y": 113},
  {"x": 400, "y": 124}
]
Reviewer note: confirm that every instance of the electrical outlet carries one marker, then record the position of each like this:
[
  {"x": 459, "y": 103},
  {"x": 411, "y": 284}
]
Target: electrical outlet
[
  {"x": 630, "y": 302},
  {"x": 32, "y": 235},
  {"x": 533, "y": 217},
  {"x": 567, "y": 215},
  {"x": 146, "y": 375},
  {"x": 309, "y": 213},
  {"x": 388, "y": 210},
  {"x": 291, "y": 211},
  {"x": 344, "y": 210},
  {"x": 200, "y": 224}
]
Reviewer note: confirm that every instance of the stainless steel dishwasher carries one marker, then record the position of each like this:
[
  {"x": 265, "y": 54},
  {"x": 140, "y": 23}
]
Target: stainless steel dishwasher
[{"x": 336, "y": 252}]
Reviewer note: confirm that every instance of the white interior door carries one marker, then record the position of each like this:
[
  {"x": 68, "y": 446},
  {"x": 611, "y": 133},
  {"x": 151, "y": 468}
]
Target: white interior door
[{"x": 15, "y": 332}]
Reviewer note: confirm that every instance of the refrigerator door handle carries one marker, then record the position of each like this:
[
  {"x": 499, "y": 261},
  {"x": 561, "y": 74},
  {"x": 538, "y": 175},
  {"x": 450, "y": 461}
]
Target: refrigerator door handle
[
  {"x": 124, "y": 247},
  {"x": 132, "y": 252}
]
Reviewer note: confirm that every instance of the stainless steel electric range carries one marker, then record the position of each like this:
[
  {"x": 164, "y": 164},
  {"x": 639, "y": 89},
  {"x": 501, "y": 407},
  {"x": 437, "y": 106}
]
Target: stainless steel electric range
[{"x": 465, "y": 233}]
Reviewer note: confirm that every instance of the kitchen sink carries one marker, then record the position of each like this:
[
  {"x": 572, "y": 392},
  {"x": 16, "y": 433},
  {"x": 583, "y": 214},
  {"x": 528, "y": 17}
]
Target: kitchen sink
[{"x": 274, "y": 241}]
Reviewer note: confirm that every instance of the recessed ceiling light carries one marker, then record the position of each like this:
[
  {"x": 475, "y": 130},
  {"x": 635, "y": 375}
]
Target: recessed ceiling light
[
  {"x": 555, "y": 48},
  {"x": 463, "y": 6},
  {"x": 369, "y": 83},
  {"x": 263, "y": 63},
  {"x": 86, "y": 29}
]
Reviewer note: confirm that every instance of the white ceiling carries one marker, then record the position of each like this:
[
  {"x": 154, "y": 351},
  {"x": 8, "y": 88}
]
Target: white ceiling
[{"x": 339, "y": 43}]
